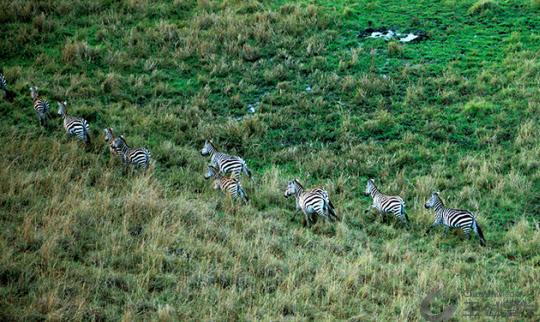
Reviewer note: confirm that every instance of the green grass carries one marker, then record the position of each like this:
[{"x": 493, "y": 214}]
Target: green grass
[{"x": 458, "y": 114}]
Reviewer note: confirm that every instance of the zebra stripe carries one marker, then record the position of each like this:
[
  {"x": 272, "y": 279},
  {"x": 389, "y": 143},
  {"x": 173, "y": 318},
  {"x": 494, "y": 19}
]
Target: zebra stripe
[
  {"x": 40, "y": 106},
  {"x": 313, "y": 203},
  {"x": 3, "y": 83},
  {"x": 136, "y": 157},
  {"x": 74, "y": 126},
  {"x": 4, "y": 86},
  {"x": 384, "y": 204},
  {"x": 454, "y": 218},
  {"x": 228, "y": 185},
  {"x": 225, "y": 163}
]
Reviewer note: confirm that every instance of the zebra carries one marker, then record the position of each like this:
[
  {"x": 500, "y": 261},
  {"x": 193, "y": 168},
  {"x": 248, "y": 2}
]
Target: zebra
[
  {"x": 223, "y": 162},
  {"x": 454, "y": 218},
  {"x": 4, "y": 86},
  {"x": 138, "y": 157},
  {"x": 313, "y": 203},
  {"x": 386, "y": 204},
  {"x": 74, "y": 126},
  {"x": 228, "y": 185},
  {"x": 40, "y": 106},
  {"x": 109, "y": 139}
]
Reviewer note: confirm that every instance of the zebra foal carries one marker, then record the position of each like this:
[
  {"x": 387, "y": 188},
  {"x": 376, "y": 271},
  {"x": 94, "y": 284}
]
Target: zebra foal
[{"x": 229, "y": 185}]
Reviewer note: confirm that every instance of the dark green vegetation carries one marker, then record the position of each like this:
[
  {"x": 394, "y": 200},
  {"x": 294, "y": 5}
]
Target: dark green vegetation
[{"x": 458, "y": 113}]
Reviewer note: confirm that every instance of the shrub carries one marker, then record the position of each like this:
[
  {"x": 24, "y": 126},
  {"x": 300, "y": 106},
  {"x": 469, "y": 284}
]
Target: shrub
[
  {"x": 395, "y": 49},
  {"x": 482, "y": 7},
  {"x": 78, "y": 51},
  {"x": 478, "y": 107}
]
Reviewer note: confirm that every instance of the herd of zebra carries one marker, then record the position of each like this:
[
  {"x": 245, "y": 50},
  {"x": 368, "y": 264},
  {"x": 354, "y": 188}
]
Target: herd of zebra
[{"x": 226, "y": 171}]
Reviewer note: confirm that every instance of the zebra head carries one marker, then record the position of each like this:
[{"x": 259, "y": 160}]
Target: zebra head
[
  {"x": 211, "y": 172},
  {"x": 293, "y": 187},
  {"x": 62, "y": 108},
  {"x": 109, "y": 136},
  {"x": 369, "y": 187},
  {"x": 433, "y": 201},
  {"x": 34, "y": 92},
  {"x": 208, "y": 148}
]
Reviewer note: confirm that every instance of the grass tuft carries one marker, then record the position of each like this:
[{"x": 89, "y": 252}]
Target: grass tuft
[{"x": 482, "y": 7}]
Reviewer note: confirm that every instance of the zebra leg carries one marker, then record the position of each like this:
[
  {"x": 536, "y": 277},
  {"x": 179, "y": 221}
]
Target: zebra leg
[
  {"x": 313, "y": 219},
  {"x": 405, "y": 222},
  {"x": 435, "y": 224},
  {"x": 305, "y": 221},
  {"x": 446, "y": 230}
]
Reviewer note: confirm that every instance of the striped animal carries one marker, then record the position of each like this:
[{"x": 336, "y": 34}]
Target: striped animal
[
  {"x": 139, "y": 157},
  {"x": 109, "y": 139},
  {"x": 225, "y": 163},
  {"x": 229, "y": 185},
  {"x": 384, "y": 204},
  {"x": 40, "y": 106},
  {"x": 313, "y": 203},
  {"x": 454, "y": 218},
  {"x": 74, "y": 126},
  {"x": 4, "y": 86}
]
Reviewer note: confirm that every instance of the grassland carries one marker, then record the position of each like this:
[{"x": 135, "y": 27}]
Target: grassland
[{"x": 458, "y": 113}]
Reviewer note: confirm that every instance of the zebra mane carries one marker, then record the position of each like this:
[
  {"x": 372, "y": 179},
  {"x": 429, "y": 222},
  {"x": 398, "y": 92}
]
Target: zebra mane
[
  {"x": 436, "y": 193},
  {"x": 297, "y": 182}
]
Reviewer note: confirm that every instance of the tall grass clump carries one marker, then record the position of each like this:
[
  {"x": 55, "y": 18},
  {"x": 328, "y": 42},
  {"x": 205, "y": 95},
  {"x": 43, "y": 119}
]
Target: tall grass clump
[{"x": 482, "y": 7}]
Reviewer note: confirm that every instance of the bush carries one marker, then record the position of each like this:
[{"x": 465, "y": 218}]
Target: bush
[
  {"x": 395, "y": 49},
  {"x": 482, "y": 7}
]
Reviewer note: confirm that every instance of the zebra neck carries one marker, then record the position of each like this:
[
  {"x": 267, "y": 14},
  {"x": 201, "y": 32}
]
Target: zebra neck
[
  {"x": 125, "y": 148},
  {"x": 299, "y": 191},
  {"x": 213, "y": 151},
  {"x": 374, "y": 192},
  {"x": 438, "y": 206}
]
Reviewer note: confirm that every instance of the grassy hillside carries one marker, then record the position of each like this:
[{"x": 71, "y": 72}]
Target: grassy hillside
[{"x": 457, "y": 113}]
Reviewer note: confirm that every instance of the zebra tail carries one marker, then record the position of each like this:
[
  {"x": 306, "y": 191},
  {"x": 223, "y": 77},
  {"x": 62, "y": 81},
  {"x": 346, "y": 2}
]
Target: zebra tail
[
  {"x": 332, "y": 212},
  {"x": 243, "y": 194},
  {"x": 246, "y": 170},
  {"x": 404, "y": 213},
  {"x": 87, "y": 140},
  {"x": 478, "y": 232}
]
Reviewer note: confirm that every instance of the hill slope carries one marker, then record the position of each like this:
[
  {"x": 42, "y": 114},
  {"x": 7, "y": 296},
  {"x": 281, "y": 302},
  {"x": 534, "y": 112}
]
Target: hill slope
[{"x": 457, "y": 113}]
